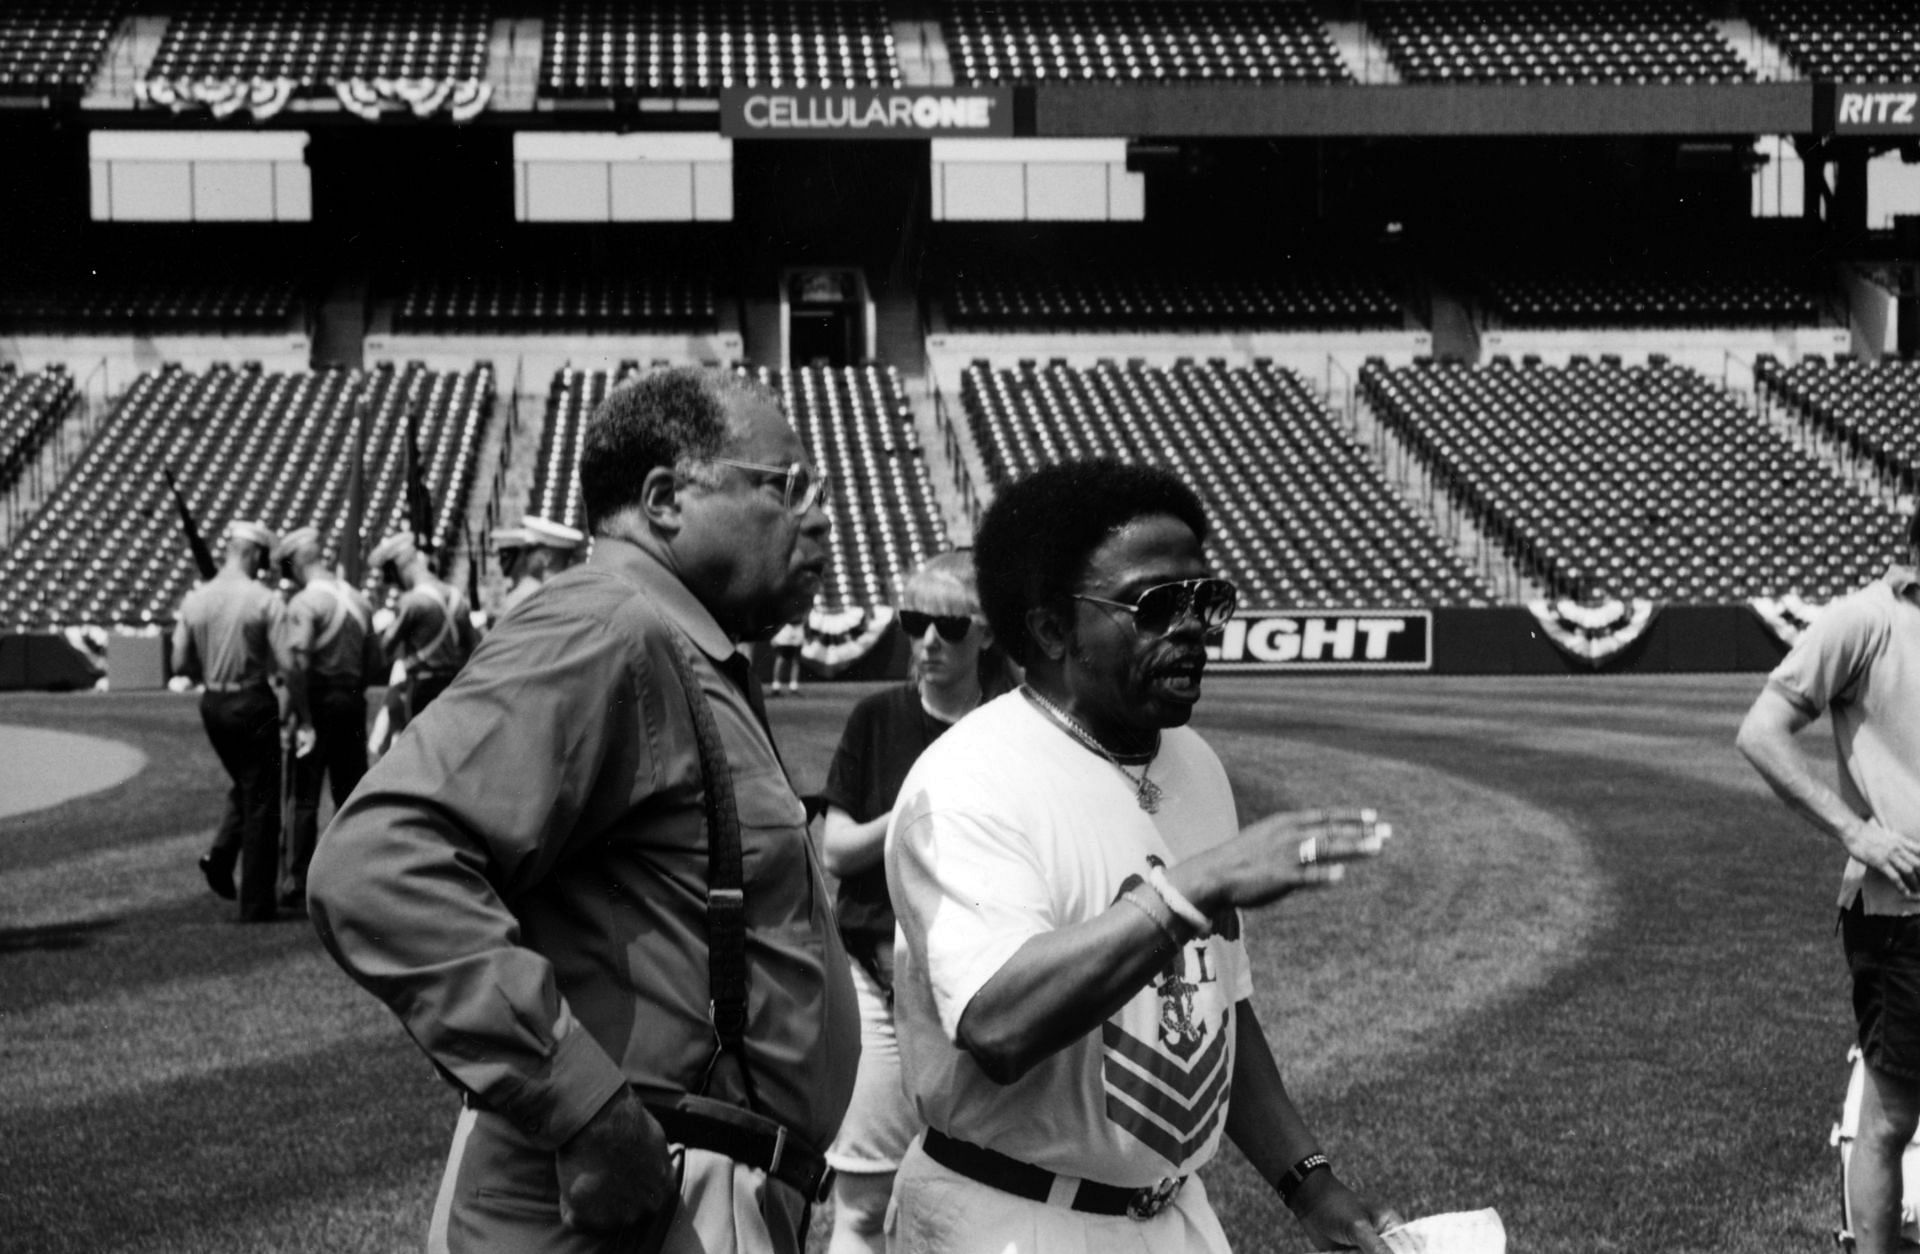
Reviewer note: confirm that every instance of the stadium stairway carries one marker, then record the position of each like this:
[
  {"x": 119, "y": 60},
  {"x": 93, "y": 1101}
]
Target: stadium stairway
[
  {"x": 1407, "y": 476},
  {"x": 953, "y": 459},
  {"x": 39, "y": 481}
]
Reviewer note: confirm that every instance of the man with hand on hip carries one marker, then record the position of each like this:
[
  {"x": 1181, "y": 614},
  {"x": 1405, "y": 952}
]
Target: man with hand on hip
[{"x": 584, "y": 882}]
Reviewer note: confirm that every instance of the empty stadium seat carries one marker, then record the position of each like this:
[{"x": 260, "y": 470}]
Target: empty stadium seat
[
  {"x": 1225, "y": 41},
  {"x": 1753, "y": 294},
  {"x": 143, "y": 306},
  {"x": 1300, "y": 516},
  {"x": 318, "y": 43},
  {"x": 858, "y": 425},
  {"x": 1645, "y": 481},
  {"x": 604, "y": 49},
  {"x": 555, "y": 302},
  {"x": 1553, "y": 41},
  {"x": 53, "y": 47},
  {"x": 1144, "y": 297},
  {"x": 1871, "y": 408},
  {"x": 32, "y": 405},
  {"x": 1844, "y": 40},
  {"x": 107, "y": 549}
]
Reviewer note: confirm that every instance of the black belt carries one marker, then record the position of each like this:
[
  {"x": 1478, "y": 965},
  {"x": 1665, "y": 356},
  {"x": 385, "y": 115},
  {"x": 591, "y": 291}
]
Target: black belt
[
  {"x": 745, "y": 1137},
  {"x": 1010, "y": 1175}
]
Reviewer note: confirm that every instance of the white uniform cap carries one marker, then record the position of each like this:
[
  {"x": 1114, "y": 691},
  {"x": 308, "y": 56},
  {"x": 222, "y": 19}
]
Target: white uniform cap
[
  {"x": 296, "y": 541},
  {"x": 511, "y": 537},
  {"x": 552, "y": 535},
  {"x": 397, "y": 548},
  {"x": 251, "y": 532}
]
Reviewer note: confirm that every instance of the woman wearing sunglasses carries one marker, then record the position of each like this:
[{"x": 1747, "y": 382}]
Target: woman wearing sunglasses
[{"x": 955, "y": 668}]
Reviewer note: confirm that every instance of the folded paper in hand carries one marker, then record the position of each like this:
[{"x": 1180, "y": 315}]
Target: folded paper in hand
[{"x": 1461, "y": 1232}]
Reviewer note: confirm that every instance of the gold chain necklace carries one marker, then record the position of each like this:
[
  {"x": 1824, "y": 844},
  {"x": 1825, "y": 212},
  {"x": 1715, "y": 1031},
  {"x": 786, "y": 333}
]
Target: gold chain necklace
[{"x": 1146, "y": 793}]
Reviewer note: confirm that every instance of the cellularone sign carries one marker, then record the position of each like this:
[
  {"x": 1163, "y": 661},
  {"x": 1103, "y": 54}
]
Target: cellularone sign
[
  {"x": 1373, "y": 640},
  {"x": 864, "y": 113}
]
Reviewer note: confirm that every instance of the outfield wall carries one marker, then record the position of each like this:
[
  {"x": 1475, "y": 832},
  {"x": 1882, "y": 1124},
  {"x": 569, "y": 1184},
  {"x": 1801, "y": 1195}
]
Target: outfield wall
[{"x": 1504, "y": 640}]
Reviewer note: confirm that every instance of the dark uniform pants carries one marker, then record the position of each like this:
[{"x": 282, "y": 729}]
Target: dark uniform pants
[
  {"x": 245, "y": 730},
  {"x": 421, "y": 690},
  {"x": 339, "y": 754}
]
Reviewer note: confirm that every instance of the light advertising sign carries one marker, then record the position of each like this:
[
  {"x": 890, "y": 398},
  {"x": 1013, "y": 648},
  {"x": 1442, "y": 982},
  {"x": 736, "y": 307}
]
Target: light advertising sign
[
  {"x": 1876, "y": 109},
  {"x": 866, "y": 113},
  {"x": 1328, "y": 640}
]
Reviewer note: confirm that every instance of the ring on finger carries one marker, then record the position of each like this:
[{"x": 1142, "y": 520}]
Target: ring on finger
[{"x": 1309, "y": 851}]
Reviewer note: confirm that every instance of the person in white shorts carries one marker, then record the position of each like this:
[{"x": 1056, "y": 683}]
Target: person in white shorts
[
  {"x": 1072, "y": 993},
  {"x": 955, "y": 668}
]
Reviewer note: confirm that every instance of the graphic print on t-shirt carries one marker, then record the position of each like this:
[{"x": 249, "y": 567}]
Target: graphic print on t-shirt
[{"x": 1167, "y": 1059}]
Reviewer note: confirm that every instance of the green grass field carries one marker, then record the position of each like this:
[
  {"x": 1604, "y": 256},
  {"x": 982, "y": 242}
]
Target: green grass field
[{"x": 1593, "y": 983}]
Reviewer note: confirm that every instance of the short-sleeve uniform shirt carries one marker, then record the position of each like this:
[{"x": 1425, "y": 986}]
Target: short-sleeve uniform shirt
[
  {"x": 1007, "y": 829},
  {"x": 1860, "y": 663}
]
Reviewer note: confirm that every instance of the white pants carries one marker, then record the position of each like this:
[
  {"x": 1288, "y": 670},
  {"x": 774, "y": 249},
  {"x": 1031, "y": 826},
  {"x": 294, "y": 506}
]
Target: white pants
[
  {"x": 939, "y": 1211},
  {"x": 881, "y": 1121}
]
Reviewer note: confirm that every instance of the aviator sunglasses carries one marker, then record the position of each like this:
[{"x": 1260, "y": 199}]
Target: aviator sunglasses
[
  {"x": 1164, "y": 604},
  {"x": 953, "y": 628}
]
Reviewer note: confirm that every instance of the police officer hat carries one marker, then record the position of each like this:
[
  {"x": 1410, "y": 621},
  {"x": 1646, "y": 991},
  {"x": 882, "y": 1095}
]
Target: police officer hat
[
  {"x": 552, "y": 535},
  {"x": 397, "y": 548},
  {"x": 506, "y": 538},
  {"x": 299, "y": 540},
  {"x": 250, "y": 532}
]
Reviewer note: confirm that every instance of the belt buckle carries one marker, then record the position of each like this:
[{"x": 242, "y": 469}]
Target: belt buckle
[{"x": 1148, "y": 1202}]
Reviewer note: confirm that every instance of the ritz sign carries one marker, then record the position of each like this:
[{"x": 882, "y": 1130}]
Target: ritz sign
[
  {"x": 1877, "y": 110},
  {"x": 828, "y": 113},
  {"x": 1372, "y": 640}
]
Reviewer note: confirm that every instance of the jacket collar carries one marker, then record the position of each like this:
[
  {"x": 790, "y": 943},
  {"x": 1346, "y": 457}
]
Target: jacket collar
[
  {"x": 670, "y": 596},
  {"x": 1904, "y": 580}
]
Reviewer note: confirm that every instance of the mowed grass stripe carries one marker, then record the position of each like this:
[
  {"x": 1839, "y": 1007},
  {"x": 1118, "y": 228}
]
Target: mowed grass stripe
[
  {"x": 1669, "y": 1090},
  {"x": 105, "y": 883}
]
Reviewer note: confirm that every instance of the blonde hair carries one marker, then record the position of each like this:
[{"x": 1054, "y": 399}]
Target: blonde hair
[{"x": 950, "y": 572}]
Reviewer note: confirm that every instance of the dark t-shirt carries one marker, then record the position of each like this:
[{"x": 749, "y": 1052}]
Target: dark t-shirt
[{"x": 886, "y": 734}]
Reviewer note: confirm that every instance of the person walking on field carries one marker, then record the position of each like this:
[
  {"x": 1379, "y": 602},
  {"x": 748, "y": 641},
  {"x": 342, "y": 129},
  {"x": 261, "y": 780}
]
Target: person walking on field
[
  {"x": 955, "y": 668},
  {"x": 329, "y": 656},
  {"x": 1859, "y": 661},
  {"x": 1072, "y": 991},
  {"x": 584, "y": 882},
  {"x": 432, "y": 632},
  {"x": 224, "y": 640}
]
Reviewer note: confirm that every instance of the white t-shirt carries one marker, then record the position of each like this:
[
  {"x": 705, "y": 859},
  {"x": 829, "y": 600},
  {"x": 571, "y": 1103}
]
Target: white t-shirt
[{"x": 1007, "y": 828}]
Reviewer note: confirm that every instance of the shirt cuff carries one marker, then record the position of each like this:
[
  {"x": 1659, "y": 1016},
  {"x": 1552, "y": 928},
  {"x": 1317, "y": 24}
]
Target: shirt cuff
[
  {"x": 578, "y": 1080},
  {"x": 1794, "y": 697}
]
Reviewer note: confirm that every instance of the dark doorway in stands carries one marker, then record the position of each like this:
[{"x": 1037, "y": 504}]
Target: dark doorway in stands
[{"x": 826, "y": 318}]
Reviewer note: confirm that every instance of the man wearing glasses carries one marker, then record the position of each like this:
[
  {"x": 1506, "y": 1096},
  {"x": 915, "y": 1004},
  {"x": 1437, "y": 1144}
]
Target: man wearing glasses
[
  {"x": 1072, "y": 994},
  {"x": 583, "y": 879}
]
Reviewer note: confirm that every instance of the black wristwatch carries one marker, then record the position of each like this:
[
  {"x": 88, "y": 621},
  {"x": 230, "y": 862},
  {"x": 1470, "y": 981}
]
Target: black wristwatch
[{"x": 1292, "y": 1180}]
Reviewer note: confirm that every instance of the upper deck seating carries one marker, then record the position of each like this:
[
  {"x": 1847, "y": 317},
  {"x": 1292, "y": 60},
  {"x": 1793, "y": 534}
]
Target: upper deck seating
[
  {"x": 1025, "y": 41},
  {"x": 1844, "y": 40},
  {"x": 607, "y": 49},
  {"x": 53, "y": 47},
  {"x": 1553, "y": 41}
]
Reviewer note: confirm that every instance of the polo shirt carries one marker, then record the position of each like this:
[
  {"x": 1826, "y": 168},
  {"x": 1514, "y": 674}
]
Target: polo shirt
[{"x": 1859, "y": 662}]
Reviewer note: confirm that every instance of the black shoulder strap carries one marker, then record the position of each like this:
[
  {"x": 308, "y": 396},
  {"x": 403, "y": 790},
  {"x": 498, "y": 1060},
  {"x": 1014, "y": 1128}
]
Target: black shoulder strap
[{"x": 726, "y": 881}]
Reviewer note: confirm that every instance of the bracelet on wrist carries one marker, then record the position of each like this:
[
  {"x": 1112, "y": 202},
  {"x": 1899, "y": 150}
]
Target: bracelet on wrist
[
  {"x": 1295, "y": 1177},
  {"x": 1149, "y": 903},
  {"x": 1177, "y": 902}
]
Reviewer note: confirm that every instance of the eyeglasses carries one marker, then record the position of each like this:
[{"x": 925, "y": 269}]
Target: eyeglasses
[
  {"x": 1161, "y": 606},
  {"x": 953, "y": 628},
  {"x": 803, "y": 487}
]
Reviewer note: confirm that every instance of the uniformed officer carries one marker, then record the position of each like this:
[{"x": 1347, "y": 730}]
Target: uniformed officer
[
  {"x": 509, "y": 546},
  {"x": 329, "y": 655},
  {"x": 432, "y": 632},
  {"x": 547, "y": 548},
  {"x": 223, "y": 639}
]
